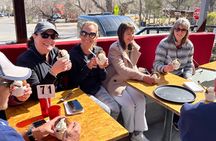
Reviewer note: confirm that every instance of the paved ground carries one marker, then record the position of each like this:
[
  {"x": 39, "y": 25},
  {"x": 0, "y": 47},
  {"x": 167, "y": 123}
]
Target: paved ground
[{"x": 7, "y": 30}]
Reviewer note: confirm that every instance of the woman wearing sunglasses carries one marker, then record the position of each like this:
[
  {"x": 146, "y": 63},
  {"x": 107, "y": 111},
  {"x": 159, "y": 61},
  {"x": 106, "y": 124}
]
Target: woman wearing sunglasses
[
  {"x": 176, "y": 48},
  {"x": 41, "y": 57},
  {"x": 87, "y": 73}
]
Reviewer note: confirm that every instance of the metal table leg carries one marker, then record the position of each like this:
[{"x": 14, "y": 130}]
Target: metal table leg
[{"x": 167, "y": 126}]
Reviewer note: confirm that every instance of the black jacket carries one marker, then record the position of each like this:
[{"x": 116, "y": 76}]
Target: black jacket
[
  {"x": 39, "y": 66},
  {"x": 80, "y": 75}
]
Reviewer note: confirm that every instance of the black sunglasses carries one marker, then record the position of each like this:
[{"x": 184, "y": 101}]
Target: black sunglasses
[
  {"x": 179, "y": 29},
  {"x": 6, "y": 83},
  {"x": 45, "y": 35},
  {"x": 92, "y": 35}
]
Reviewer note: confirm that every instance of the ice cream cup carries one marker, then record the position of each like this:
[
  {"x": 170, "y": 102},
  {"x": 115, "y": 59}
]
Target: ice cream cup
[
  {"x": 176, "y": 64},
  {"x": 156, "y": 77},
  {"x": 210, "y": 94},
  {"x": 63, "y": 54},
  {"x": 18, "y": 88},
  {"x": 101, "y": 59},
  {"x": 61, "y": 127}
]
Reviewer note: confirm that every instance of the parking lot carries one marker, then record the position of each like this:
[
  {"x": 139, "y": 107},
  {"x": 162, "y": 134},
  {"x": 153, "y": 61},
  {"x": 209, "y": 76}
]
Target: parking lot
[{"x": 7, "y": 28}]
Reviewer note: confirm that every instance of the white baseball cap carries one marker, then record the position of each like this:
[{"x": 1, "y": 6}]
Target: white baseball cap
[{"x": 11, "y": 72}]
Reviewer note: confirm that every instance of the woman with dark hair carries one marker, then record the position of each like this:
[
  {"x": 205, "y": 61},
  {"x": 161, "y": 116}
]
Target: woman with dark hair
[
  {"x": 41, "y": 57},
  {"x": 176, "y": 49},
  {"x": 123, "y": 56}
]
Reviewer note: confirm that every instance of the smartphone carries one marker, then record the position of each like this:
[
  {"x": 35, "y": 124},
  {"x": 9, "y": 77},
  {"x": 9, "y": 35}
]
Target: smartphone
[
  {"x": 38, "y": 123},
  {"x": 75, "y": 105}
]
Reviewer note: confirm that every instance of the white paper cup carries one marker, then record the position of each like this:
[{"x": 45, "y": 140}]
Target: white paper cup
[
  {"x": 63, "y": 54},
  {"x": 176, "y": 64},
  {"x": 101, "y": 59},
  {"x": 156, "y": 77},
  {"x": 210, "y": 94},
  {"x": 59, "y": 133},
  {"x": 18, "y": 88},
  {"x": 18, "y": 91}
]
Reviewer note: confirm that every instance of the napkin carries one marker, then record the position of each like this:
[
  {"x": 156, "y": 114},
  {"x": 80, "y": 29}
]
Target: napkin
[{"x": 193, "y": 86}]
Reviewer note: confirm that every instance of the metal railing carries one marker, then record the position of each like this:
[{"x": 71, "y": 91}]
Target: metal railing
[{"x": 160, "y": 29}]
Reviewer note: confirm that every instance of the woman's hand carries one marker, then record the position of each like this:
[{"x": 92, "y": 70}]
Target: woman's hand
[
  {"x": 45, "y": 129},
  {"x": 104, "y": 65},
  {"x": 168, "y": 68},
  {"x": 148, "y": 79},
  {"x": 73, "y": 132},
  {"x": 92, "y": 63},
  {"x": 61, "y": 65}
]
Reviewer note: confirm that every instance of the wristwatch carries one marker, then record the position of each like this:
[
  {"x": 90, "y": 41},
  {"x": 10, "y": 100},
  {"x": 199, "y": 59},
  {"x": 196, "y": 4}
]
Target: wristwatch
[{"x": 30, "y": 135}]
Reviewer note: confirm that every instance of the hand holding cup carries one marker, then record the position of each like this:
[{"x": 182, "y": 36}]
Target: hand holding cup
[
  {"x": 63, "y": 54},
  {"x": 176, "y": 64},
  {"x": 18, "y": 88},
  {"x": 210, "y": 94},
  {"x": 156, "y": 76},
  {"x": 101, "y": 59}
]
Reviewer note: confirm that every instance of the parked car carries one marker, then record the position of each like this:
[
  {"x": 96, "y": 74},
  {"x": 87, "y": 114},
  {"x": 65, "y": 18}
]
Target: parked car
[
  {"x": 1, "y": 15},
  {"x": 108, "y": 23}
]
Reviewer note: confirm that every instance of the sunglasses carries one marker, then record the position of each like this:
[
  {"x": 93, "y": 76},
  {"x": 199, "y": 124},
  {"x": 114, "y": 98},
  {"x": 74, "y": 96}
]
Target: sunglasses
[
  {"x": 91, "y": 35},
  {"x": 179, "y": 29},
  {"x": 45, "y": 35},
  {"x": 6, "y": 83}
]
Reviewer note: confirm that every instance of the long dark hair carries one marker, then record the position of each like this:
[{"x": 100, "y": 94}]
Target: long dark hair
[{"x": 121, "y": 30}]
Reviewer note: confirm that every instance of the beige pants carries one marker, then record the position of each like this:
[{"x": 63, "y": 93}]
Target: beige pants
[{"x": 133, "y": 109}]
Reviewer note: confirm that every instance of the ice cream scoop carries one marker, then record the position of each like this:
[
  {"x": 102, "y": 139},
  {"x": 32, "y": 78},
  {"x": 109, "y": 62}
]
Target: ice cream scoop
[
  {"x": 176, "y": 64},
  {"x": 101, "y": 58},
  {"x": 63, "y": 54},
  {"x": 60, "y": 128},
  {"x": 18, "y": 88}
]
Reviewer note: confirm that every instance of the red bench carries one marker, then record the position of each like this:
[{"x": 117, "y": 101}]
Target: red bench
[{"x": 203, "y": 44}]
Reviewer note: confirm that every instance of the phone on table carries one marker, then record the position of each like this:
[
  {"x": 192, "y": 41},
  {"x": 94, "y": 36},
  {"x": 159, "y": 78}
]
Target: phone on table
[{"x": 73, "y": 107}]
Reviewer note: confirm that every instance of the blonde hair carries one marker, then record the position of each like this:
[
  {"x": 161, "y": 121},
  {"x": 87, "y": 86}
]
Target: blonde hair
[{"x": 88, "y": 23}]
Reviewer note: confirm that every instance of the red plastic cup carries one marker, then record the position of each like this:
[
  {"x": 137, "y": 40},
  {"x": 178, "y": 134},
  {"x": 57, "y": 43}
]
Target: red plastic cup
[
  {"x": 54, "y": 111},
  {"x": 44, "y": 104}
]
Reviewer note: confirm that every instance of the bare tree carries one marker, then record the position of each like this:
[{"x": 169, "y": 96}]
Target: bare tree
[
  {"x": 211, "y": 5},
  {"x": 109, "y": 6},
  {"x": 98, "y": 5},
  {"x": 175, "y": 3},
  {"x": 83, "y": 8},
  {"x": 140, "y": 11},
  {"x": 124, "y": 6}
]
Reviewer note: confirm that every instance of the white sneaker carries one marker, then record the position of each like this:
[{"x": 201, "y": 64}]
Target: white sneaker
[{"x": 139, "y": 137}]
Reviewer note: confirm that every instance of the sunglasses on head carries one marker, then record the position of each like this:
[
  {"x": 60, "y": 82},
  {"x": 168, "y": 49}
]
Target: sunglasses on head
[
  {"x": 45, "y": 35},
  {"x": 180, "y": 29},
  {"x": 91, "y": 35},
  {"x": 6, "y": 83}
]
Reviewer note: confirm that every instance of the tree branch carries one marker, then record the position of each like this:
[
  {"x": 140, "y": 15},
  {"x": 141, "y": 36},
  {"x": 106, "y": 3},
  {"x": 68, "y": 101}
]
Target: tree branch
[
  {"x": 79, "y": 6},
  {"x": 98, "y": 6}
]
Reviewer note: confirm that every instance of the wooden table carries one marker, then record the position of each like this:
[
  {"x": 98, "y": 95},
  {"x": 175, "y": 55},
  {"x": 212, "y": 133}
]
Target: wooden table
[
  {"x": 95, "y": 123},
  {"x": 211, "y": 66},
  {"x": 168, "y": 79}
]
